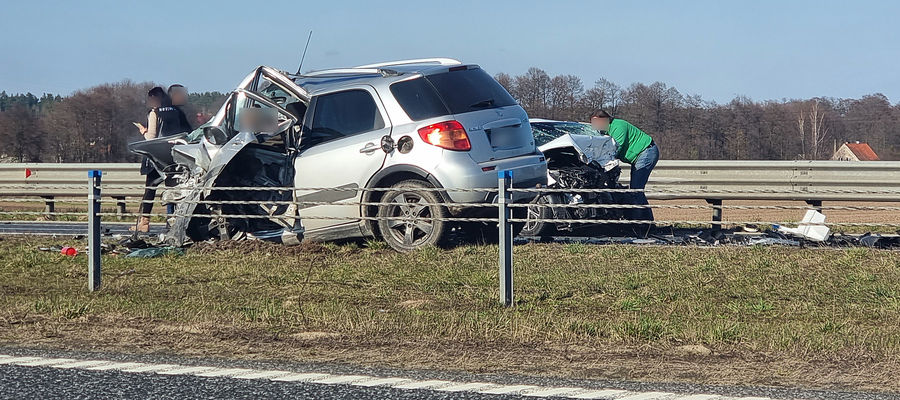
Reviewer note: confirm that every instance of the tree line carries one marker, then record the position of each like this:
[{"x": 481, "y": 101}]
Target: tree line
[
  {"x": 689, "y": 127},
  {"x": 91, "y": 125},
  {"x": 95, "y": 124}
]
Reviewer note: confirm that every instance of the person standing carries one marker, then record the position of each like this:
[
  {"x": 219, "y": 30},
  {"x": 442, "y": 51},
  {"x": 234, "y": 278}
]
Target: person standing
[
  {"x": 634, "y": 147},
  {"x": 162, "y": 120},
  {"x": 179, "y": 96}
]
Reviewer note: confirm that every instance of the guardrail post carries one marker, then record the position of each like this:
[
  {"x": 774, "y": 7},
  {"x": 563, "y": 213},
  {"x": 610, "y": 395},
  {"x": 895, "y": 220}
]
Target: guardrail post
[
  {"x": 120, "y": 207},
  {"x": 506, "y": 237},
  {"x": 94, "y": 230},
  {"x": 815, "y": 204},
  {"x": 717, "y": 212},
  {"x": 49, "y": 207}
]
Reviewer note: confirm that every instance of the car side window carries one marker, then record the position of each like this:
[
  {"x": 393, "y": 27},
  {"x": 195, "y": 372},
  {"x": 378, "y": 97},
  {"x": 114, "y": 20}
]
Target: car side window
[{"x": 342, "y": 114}]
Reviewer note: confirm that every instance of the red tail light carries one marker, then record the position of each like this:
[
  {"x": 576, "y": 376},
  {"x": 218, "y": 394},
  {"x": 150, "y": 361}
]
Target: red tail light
[{"x": 448, "y": 135}]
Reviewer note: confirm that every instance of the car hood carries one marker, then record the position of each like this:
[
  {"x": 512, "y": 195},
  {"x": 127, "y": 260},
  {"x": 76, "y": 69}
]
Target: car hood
[{"x": 599, "y": 149}]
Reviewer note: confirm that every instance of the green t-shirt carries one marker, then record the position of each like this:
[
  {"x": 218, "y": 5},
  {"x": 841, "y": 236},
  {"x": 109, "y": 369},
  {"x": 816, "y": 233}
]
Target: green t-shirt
[{"x": 631, "y": 140}]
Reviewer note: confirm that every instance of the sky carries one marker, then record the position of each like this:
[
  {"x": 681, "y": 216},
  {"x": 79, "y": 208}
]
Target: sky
[{"x": 715, "y": 49}]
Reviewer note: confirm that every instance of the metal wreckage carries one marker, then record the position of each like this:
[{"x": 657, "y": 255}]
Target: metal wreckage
[{"x": 198, "y": 173}]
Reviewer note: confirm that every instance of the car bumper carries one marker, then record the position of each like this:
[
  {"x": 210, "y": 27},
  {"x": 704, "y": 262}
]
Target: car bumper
[{"x": 528, "y": 172}]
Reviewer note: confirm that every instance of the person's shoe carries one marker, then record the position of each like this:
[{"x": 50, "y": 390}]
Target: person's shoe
[{"x": 142, "y": 225}]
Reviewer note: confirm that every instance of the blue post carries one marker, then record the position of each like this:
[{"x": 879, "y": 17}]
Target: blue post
[
  {"x": 94, "y": 229},
  {"x": 506, "y": 237}
]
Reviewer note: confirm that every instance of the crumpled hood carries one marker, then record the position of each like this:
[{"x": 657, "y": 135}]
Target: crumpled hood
[{"x": 599, "y": 149}]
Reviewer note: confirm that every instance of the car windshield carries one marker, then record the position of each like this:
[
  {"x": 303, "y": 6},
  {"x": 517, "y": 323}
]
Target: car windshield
[{"x": 545, "y": 132}]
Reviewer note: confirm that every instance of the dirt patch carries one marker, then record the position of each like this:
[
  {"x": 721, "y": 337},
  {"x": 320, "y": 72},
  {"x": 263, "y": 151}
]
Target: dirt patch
[
  {"x": 412, "y": 303},
  {"x": 693, "y": 349},
  {"x": 729, "y": 367},
  {"x": 311, "y": 336}
]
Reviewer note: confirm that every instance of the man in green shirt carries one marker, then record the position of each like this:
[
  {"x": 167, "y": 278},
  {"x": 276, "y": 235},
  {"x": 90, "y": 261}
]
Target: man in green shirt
[{"x": 633, "y": 147}]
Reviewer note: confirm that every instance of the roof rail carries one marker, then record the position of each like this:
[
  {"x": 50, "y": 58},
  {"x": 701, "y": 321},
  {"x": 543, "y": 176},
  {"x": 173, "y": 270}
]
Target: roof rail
[
  {"x": 349, "y": 71},
  {"x": 439, "y": 61}
]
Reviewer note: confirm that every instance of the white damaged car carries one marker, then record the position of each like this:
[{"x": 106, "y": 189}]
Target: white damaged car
[{"x": 578, "y": 157}]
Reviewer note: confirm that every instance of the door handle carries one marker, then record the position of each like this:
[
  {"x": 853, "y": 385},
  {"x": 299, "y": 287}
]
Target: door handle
[{"x": 370, "y": 147}]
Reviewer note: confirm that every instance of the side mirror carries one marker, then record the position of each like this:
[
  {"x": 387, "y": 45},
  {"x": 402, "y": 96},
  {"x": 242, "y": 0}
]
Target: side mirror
[
  {"x": 215, "y": 135},
  {"x": 387, "y": 144}
]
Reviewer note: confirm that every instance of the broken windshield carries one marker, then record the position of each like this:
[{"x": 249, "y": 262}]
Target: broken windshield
[{"x": 545, "y": 132}]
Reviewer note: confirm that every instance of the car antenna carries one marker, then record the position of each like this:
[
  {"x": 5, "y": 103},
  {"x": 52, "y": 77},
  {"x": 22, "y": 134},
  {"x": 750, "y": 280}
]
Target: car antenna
[{"x": 304, "y": 52}]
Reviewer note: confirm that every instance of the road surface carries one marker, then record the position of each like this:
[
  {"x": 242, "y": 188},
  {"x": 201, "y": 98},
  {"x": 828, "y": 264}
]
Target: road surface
[{"x": 26, "y": 374}]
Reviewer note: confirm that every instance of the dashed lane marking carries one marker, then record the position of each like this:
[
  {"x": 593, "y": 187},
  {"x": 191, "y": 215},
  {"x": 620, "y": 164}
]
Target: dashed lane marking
[{"x": 355, "y": 380}]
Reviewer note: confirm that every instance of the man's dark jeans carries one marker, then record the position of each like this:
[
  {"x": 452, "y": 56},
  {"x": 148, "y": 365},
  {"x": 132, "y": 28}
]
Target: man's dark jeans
[{"x": 640, "y": 174}]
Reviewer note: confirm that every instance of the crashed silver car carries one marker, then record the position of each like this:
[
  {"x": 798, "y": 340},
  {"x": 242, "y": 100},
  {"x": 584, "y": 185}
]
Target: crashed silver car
[
  {"x": 578, "y": 157},
  {"x": 289, "y": 157}
]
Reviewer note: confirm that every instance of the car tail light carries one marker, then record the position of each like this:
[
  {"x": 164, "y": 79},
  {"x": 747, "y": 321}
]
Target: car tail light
[{"x": 448, "y": 135}]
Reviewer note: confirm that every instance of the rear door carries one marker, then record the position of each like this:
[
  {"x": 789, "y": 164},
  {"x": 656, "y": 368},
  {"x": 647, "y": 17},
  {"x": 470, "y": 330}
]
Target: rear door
[{"x": 340, "y": 147}]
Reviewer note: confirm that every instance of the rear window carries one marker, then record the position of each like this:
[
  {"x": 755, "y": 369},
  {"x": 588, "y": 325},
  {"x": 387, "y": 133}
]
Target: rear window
[
  {"x": 453, "y": 92},
  {"x": 418, "y": 99}
]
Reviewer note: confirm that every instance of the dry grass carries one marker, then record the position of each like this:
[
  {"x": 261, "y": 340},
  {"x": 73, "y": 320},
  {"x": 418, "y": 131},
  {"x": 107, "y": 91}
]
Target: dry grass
[{"x": 785, "y": 316}]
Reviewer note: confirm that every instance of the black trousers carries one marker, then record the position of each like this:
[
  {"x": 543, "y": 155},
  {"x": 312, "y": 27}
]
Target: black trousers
[{"x": 153, "y": 179}]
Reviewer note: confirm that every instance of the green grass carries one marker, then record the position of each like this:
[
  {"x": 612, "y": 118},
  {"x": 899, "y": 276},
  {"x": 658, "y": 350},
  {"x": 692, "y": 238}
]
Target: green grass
[{"x": 794, "y": 301}]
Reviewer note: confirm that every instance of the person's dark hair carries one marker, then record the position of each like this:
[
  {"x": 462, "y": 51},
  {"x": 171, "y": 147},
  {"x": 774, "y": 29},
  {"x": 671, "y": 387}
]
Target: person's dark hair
[
  {"x": 172, "y": 87},
  {"x": 600, "y": 113},
  {"x": 161, "y": 94}
]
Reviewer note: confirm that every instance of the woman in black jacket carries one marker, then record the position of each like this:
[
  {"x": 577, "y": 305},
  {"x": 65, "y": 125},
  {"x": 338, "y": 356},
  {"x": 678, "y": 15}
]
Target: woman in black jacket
[{"x": 162, "y": 120}]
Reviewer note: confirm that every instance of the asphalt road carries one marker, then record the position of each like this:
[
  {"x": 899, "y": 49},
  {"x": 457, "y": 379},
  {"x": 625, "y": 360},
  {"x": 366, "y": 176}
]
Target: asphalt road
[{"x": 38, "y": 374}]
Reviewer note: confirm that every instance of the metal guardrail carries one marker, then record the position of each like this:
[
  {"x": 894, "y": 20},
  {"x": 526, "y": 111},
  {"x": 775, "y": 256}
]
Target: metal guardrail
[{"x": 671, "y": 179}]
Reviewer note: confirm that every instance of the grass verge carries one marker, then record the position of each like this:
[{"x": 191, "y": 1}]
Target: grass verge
[{"x": 774, "y": 316}]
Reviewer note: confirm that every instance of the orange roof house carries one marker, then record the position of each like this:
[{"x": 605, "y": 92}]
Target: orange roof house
[{"x": 855, "y": 151}]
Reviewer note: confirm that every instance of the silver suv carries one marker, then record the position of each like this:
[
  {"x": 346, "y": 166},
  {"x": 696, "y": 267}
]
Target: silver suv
[{"x": 419, "y": 127}]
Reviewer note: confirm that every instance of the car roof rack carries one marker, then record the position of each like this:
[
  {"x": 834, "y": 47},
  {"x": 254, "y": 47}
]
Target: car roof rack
[
  {"x": 348, "y": 71},
  {"x": 439, "y": 61}
]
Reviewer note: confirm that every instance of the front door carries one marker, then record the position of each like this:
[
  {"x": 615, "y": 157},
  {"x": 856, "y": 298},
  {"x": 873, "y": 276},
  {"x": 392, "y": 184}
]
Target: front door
[{"x": 340, "y": 149}]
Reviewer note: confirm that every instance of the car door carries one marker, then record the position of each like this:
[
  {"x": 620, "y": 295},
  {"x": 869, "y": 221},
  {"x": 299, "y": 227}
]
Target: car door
[{"x": 340, "y": 147}]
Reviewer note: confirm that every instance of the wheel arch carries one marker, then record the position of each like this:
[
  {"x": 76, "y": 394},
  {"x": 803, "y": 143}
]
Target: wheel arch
[{"x": 384, "y": 179}]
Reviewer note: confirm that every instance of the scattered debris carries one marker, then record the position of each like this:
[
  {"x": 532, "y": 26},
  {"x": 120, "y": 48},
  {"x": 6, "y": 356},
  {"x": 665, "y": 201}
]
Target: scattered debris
[
  {"x": 811, "y": 227},
  {"x": 151, "y": 252}
]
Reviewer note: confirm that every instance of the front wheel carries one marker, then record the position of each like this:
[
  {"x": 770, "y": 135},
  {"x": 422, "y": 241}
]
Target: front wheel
[
  {"x": 537, "y": 219},
  {"x": 411, "y": 217}
]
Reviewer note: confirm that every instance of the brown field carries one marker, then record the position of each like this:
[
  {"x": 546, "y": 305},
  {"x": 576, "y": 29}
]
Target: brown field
[{"x": 775, "y": 215}]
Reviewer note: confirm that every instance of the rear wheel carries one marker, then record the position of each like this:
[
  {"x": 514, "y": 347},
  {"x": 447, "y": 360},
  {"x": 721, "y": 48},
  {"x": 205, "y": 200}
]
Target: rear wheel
[{"x": 411, "y": 217}]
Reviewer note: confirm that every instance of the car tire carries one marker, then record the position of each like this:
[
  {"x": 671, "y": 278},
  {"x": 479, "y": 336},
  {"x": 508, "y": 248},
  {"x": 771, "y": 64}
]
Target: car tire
[
  {"x": 534, "y": 214},
  {"x": 404, "y": 224}
]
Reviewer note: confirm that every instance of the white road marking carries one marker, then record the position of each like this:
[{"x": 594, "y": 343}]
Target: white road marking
[
  {"x": 186, "y": 370},
  {"x": 423, "y": 384},
  {"x": 151, "y": 368},
  {"x": 547, "y": 392},
  {"x": 14, "y": 360},
  {"x": 45, "y": 361},
  {"x": 341, "y": 379},
  {"x": 355, "y": 380},
  {"x": 600, "y": 394},
  {"x": 468, "y": 387},
  {"x": 118, "y": 366},
  {"x": 300, "y": 377},
  {"x": 508, "y": 389},
  {"x": 262, "y": 375},
  {"x": 381, "y": 382},
  {"x": 82, "y": 364},
  {"x": 648, "y": 396},
  {"x": 224, "y": 372}
]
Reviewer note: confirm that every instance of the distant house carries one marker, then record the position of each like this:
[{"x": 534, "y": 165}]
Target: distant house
[{"x": 855, "y": 151}]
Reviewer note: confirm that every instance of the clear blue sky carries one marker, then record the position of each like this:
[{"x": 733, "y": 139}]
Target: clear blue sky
[{"x": 717, "y": 49}]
